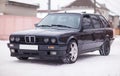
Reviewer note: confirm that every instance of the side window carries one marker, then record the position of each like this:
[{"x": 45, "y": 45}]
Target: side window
[
  {"x": 104, "y": 21},
  {"x": 86, "y": 22},
  {"x": 96, "y": 21}
]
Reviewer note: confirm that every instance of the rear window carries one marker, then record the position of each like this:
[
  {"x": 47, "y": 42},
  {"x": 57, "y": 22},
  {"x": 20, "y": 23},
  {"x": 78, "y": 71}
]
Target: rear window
[{"x": 104, "y": 22}]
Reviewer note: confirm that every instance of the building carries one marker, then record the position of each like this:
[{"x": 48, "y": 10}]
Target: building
[
  {"x": 114, "y": 20},
  {"x": 8, "y": 7},
  {"x": 16, "y": 16},
  {"x": 87, "y": 6}
]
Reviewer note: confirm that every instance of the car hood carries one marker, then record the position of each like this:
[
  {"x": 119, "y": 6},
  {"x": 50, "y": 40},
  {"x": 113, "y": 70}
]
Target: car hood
[{"x": 45, "y": 32}]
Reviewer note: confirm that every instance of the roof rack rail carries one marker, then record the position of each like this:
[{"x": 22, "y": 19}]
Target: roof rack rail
[{"x": 83, "y": 12}]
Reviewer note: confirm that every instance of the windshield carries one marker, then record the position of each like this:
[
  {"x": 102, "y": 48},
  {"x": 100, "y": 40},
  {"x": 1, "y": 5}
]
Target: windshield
[{"x": 61, "y": 20}]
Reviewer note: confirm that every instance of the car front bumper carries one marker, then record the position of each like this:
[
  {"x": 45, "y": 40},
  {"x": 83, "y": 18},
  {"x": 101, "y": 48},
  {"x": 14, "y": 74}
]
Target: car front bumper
[{"x": 43, "y": 52}]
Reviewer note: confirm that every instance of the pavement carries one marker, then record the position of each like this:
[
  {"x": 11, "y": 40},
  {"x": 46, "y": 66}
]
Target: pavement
[{"x": 89, "y": 64}]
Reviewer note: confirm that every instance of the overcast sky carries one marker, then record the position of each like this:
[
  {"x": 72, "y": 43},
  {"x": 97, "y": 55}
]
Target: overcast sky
[{"x": 113, "y": 5}]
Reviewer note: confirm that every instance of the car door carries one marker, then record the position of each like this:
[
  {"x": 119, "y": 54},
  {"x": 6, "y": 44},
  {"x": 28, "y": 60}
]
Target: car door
[
  {"x": 87, "y": 34},
  {"x": 98, "y": 31}
]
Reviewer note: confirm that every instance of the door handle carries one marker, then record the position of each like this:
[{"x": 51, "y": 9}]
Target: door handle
[{"x": 93, "y": 36}]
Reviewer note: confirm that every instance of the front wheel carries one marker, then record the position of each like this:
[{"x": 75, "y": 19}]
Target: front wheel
[
  {"x": 72, "y": 53},
  {"x": 105, "y": 48}
]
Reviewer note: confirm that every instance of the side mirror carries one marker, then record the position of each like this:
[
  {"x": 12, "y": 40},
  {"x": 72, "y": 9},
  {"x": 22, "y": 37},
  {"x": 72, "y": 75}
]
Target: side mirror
[{"x": 36, "y": 25}]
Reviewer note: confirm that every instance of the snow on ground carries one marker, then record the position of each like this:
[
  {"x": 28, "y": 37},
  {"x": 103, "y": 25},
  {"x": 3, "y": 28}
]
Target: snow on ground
[{"x": 90, "y": 64}]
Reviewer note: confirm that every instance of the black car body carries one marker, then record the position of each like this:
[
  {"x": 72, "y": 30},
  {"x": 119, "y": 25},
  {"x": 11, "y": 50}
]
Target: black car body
[{"x": 63, "y": 36}]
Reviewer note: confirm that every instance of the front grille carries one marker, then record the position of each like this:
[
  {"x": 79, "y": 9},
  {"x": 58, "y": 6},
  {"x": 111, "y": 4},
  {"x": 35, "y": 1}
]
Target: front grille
[
  {"x": 30, "y": 39},
  {"x": 39, "y": 40}
]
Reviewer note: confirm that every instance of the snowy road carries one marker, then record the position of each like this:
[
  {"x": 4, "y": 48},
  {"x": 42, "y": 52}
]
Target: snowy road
[{"x": 91, "y": 64}]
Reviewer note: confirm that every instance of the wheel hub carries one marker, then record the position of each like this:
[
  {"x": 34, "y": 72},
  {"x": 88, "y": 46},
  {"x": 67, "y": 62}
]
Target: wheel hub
[{"x": 74, "y": 51}]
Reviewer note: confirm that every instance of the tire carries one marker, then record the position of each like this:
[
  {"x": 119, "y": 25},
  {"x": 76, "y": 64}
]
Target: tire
[
  {"x": 72, "y": 53},
  {"x": 22, "y": 58},
  {"x": 105, "y": 48}
]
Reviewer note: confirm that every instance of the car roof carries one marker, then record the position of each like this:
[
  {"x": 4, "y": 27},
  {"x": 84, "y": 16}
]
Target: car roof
[
  {"x": 76, "y": 13},
  {"x": 66, "y": 13}
]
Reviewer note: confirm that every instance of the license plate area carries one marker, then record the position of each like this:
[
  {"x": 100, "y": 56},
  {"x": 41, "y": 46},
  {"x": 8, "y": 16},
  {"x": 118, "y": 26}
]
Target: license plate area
[{"x": 28, "y": 47}]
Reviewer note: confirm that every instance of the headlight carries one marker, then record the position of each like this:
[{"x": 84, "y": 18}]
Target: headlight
[
  {"x": 46, "y": 40},
  {"x": 12, "y": 38},
  {"x": 53, "y": 40},
  {"x": 17, "y": 39}
]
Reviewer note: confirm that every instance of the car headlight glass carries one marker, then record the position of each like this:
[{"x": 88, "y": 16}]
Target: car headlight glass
[
  {"x": 17, "y": 39},
  {"x": 12, "y": 38},
  {"x": 46, "y": 40},
  {"x": 53, "y": 40}
]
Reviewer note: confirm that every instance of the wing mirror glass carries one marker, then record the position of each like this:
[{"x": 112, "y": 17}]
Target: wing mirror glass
[{"x": 36, "y": 25}]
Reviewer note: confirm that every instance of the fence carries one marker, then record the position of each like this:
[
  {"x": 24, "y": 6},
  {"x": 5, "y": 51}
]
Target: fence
[{"x": 10, "y": 24}]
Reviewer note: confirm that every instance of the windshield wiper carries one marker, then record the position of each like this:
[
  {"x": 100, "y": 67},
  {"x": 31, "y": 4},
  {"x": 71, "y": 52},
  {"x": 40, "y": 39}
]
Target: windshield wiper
[
  {"x": 60, "y": 25},
  {"x": 44, "y": 25}
]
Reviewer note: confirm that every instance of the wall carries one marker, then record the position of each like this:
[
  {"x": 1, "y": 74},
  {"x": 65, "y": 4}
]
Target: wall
[
  {"x": 20, "y": 11},
  {"x": 116, "y": 21},
  {"x": 10, "y": 24},
  {"x": 117, "y": 31},
  {"x": 2, "y": 5}
]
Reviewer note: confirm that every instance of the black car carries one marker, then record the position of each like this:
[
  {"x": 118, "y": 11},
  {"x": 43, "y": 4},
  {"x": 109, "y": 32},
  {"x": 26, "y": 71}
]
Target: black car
[{"x": 63, "y": 36}]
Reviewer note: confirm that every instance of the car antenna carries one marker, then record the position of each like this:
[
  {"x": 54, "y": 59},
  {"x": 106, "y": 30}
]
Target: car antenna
[{"x": 65, "y": 11}]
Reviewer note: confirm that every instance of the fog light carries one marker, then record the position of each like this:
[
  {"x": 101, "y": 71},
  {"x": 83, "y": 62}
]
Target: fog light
[
  {"x": 12, "y": 50},
  {"x": 53, "y": 53},
  {"x": 11, "y": 45},
  {"x": 51, "y": 47}
]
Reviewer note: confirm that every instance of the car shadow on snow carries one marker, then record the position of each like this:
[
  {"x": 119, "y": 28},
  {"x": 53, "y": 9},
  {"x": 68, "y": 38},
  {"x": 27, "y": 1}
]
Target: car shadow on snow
[
  {"x": 87, "y": 56},
  {"x": 80, "y": 59},
  {"x": 40, "y": 61}
]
